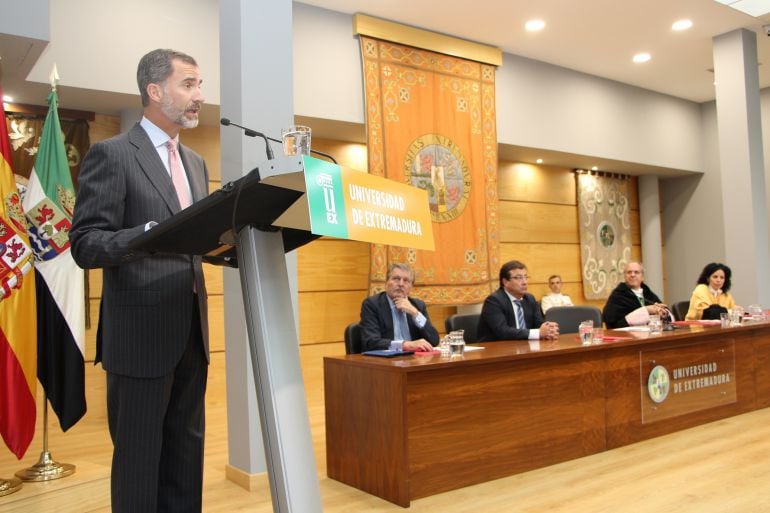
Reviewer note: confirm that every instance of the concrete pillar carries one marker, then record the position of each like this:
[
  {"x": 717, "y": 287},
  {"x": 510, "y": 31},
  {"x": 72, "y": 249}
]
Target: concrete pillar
[{"x": 744, "y": 201}]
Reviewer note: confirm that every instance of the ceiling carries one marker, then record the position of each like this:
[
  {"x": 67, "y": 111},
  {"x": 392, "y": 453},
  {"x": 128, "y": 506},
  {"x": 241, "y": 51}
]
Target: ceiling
[{"x": 598, "y": 37}]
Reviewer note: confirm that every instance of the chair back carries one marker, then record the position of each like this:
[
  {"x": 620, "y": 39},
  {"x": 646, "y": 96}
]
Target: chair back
[
  {"x": 467, "y": 322},
  {"x": 570, "y": 317},
  {"x": 353, "y": 342},
  {"x": 679, "y": 309}
]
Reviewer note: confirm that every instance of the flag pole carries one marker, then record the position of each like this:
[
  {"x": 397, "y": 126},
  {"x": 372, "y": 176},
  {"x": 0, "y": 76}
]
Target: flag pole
[
  {"x": 46, "y": 469},
  {"x": 9, "y": 486}
]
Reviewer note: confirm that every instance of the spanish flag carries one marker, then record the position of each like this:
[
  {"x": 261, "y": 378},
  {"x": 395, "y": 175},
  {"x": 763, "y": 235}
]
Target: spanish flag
[{"x": 18, "y": 317}]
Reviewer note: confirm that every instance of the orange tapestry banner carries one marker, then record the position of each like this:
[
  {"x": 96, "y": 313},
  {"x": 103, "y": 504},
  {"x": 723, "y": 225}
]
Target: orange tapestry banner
[{"x": 430, "y": 122}]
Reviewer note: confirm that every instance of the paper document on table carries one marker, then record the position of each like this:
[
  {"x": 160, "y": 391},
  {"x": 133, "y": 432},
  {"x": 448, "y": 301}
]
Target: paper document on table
[
  {"x": 633, "y": 328},
  {"x": 473, "y": 348}
]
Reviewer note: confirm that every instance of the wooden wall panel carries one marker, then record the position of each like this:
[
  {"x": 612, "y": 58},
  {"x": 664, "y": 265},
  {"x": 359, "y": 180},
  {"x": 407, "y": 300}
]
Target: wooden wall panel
[
  {"x": 324, "y": 315},
  {"x": 543, "y": 260},
  {"x": 94, "y": 283},
  {"x": 103, "y": 127},
  {"x": 216, "y": 323},
  {"x": 348, "y": 154},
  {"x": 536, "y": 184},
  {"x": 538, "y": 222},
  {"x": 438, "y": 314},
  {"x": 213, "y": 276},
  {"x": 330, "y": 264},
  {"x": 205, "y": 141}
]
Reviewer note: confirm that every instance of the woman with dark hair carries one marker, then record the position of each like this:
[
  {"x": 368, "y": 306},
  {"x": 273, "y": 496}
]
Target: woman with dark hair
[{"x": 712, "y": 289}]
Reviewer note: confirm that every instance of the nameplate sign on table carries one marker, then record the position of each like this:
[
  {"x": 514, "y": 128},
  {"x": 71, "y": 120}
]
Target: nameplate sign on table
[{"x": 684, "y": 379}]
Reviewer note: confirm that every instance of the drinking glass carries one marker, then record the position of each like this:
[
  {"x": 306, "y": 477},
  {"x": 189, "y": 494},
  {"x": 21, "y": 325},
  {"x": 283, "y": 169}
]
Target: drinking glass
[
  {"x": 296, "y": 140},
  {"x": 736, "y": 316},
  {"x": 655, "y": 324},
  {"x": 457, "y": 343},
  {"x": 724, "y": 319},
  {"x": 586, "y": 331}
]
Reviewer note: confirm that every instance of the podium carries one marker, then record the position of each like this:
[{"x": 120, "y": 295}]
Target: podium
[{"x": 249, "y": 223}]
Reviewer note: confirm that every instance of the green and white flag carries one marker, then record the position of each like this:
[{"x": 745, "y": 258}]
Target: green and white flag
[{"x": 49, "y": 203}]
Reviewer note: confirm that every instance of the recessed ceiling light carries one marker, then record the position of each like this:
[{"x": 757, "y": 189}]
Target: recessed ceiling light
[
  {"x": 534, "y": 25},
  {"x": 594, "y": 168},
  {"x": 7, "y": 98},
  {"x": 539, "y": 161},
  {"x": 642, "y": 57},
  {"x": 681, "y": 25}
]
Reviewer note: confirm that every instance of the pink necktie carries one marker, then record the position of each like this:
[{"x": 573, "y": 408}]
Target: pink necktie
[{"x": 177, "y": 175}]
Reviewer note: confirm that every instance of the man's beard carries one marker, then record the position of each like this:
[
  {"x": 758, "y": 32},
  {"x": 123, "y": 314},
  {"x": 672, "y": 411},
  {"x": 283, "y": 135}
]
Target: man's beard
[{"x": 176, "y": 115}]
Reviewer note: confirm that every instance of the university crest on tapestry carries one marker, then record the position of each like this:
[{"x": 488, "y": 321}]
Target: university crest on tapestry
[{"x": 431, "y": 123}]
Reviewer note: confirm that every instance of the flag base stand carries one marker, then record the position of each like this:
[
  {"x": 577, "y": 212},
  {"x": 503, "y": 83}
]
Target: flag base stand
[
  {"x": 46, "y": 469},
  {"x": 8, "y": 486}
]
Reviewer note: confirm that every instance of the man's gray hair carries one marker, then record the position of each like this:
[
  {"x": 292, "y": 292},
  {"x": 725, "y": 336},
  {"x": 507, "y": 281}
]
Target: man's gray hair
[
  {"x": 155, "y": 67},
  {"x": 641, "y": 266},
  {"x": 402, "y": 267}
]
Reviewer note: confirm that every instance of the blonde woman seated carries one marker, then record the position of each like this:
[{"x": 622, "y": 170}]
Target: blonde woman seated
[{"x": 712, "y": 289}]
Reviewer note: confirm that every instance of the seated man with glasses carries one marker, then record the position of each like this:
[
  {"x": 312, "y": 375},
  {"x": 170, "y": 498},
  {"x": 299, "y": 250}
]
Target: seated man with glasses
[
  {"x": 510, "y": 313},
  {"x": 393, "y": 320},
  {"x": 632, "y": 302}
]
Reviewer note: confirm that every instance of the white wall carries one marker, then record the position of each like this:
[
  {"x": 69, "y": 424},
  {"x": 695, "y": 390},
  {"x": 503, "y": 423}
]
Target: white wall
[
  {"x": 96, "y": 44},
  {"x": 328, "y": 81},
  {"x": 693, "y": 230},
  {"x": 544, "y": 106},
  {"x": 26, "y": 19}
]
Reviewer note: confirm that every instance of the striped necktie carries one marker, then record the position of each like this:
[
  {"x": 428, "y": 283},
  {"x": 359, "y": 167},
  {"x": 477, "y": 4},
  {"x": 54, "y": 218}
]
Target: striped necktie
[
  {"x": 520, "y": 314},
  {"x": 401, "y": 329},
  {"x": 177, "y": 175}
]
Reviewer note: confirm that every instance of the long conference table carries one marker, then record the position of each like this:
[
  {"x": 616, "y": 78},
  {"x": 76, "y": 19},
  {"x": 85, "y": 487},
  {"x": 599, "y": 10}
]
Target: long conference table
[{"x": 414, "y": 426}]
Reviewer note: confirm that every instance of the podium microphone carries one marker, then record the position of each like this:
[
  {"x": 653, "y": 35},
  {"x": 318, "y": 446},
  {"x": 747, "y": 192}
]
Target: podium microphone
[
  {"x": 253, "y": 133},
  {"x": 248, "y": 132}
]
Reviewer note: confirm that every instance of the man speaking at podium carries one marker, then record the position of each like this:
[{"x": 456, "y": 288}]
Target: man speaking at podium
[{"x": 152, "y": 338}]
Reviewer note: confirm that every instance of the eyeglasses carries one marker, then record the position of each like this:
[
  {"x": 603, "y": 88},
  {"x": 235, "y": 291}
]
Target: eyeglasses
[{"x": 519, "y": 277}]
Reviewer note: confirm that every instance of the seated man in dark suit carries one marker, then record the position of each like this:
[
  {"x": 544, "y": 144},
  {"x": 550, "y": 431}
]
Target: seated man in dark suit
[
  {"x": 632, "y": 302},
  {"x": 510, "y": 313},
  {"x": 393, "y": 320}
]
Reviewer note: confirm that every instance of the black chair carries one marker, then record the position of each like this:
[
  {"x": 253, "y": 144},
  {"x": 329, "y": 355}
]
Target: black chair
[
  {"x": 353, "y": 342},
  {"x": 679, "y": 309},
  {"x": 570, "y": 317},
  {"x": 467, "y": 322}
]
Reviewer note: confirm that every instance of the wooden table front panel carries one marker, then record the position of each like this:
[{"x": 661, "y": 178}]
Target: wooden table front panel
[
  {"x": 624, "y": 391},
  {"x": 366, "y": 429},
  {"x": 471, "y": 424},
  {"x": 416, "y": 426}
]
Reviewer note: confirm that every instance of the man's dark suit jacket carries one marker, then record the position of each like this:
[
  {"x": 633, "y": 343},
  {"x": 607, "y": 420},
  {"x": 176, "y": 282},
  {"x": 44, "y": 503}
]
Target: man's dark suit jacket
[
  {"x": 623, "y": 301},
  {"x": 377, "y": 323},
  {"x": 498, "y": 320},
  {"x": 144, "y": 319}
]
